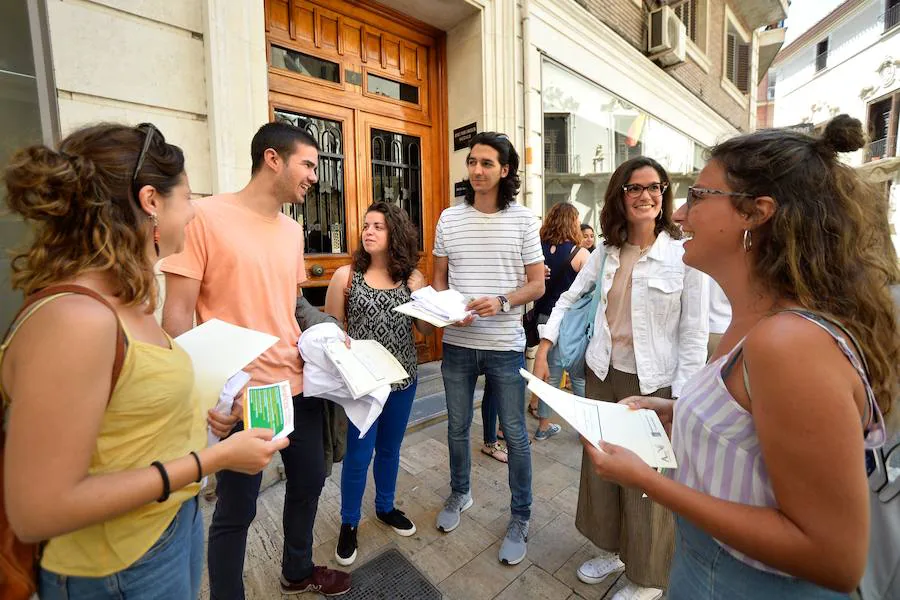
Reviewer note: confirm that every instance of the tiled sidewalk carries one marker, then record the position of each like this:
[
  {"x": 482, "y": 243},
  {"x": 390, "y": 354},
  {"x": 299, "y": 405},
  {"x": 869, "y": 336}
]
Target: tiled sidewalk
[{"x": 462, "y": 564}]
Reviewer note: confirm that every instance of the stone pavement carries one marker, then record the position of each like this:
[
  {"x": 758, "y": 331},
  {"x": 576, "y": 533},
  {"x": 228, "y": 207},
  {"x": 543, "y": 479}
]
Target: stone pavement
[{"x": 462, "y": 564}]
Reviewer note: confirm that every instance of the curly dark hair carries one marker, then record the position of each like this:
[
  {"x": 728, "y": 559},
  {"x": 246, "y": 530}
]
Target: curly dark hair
[
  {"x": 613, "y": 223},
  {"x": 403, "y": 243},
  {"x": 827, "y": 245},
  {"x": 507, "y": 155}
]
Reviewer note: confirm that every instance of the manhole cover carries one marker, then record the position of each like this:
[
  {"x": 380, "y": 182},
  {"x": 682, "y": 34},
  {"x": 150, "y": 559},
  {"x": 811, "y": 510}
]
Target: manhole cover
[{"x": 389, "y": 576}]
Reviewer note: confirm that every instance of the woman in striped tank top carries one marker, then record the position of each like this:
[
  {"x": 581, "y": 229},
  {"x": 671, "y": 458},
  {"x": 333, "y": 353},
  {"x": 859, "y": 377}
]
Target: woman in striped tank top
[{"x": 770, "y": 436}]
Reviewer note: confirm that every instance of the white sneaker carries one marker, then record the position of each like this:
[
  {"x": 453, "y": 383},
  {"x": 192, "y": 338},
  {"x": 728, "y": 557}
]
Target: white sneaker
[
  {"x": 599, "y": 568},
  {"x": 636, "y": 592}
]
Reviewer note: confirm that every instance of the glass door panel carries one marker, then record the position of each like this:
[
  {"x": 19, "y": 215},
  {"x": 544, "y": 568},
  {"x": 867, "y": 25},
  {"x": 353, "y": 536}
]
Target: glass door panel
[
  {"x": 323, "y": 215},
  {"x": 397, "y": 173}
]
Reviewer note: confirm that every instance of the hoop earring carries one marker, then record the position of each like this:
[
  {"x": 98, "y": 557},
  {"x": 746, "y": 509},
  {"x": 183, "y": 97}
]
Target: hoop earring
[
  {"x": 748, "y": 241},
  {"x": 155, "y": 220}
]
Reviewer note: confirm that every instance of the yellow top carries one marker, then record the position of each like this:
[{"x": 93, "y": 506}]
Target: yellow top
[{"x": 154, "y": 413}]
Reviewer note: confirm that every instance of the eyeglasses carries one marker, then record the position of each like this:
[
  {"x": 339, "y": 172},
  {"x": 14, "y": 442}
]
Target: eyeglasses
[
  {"x": 151, "y": 129},
  {"x": 696, "y": 194},
  {"x": 636, "y": 190}
]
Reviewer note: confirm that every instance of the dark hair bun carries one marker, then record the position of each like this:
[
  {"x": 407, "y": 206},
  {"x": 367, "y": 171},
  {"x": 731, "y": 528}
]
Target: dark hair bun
[
  {"x": 844, "y": 134},
  {"x": 44, "y": 184}
]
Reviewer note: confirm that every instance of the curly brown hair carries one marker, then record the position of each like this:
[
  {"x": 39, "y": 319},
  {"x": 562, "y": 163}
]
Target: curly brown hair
[
  {"x": 613, "y": 223},
  {"x": 562, "y": 224},
  {"x": 826, "y": 246},
  {"x": 403, "y": 243},
  {"x": 81, "y": 201}
]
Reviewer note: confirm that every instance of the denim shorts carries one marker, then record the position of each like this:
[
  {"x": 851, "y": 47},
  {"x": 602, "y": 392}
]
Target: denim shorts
[
  {"x": 703, "y": 570},
  {"x": 170, "y": 569}
]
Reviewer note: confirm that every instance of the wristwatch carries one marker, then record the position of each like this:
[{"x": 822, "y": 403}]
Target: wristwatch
[{"x": 505, "y": 306}]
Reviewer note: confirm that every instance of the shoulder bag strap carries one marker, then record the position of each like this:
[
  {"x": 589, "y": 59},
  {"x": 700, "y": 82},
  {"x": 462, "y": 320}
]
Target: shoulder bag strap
[
  {"x": 598, "y": 293},
  {"x": 33, "y": 302}
]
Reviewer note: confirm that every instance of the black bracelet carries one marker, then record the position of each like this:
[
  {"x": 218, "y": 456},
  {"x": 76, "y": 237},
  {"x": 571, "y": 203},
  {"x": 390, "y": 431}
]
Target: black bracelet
[
  {"x": 199, "y": 466},
  {"x": 165, "y": 480}
]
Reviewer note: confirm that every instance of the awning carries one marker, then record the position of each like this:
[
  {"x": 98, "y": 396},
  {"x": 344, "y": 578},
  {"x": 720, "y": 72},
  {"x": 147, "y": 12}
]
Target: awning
[{"x": 881, "y": 170}]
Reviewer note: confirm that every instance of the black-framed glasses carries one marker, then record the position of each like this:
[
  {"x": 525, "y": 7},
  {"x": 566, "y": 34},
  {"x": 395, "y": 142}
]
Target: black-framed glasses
[
  {"x": 695, "y": 194},
  {"x": 148, "y": 139},
  {"x": 636, "y": 190}
]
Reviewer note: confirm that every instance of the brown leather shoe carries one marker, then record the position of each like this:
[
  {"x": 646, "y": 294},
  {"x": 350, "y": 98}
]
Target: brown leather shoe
[{"x": 323, "y": 580}]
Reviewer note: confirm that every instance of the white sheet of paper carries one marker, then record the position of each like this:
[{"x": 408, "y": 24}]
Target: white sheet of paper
[
  {"x": 365, "y": 366},
  {"x": 411, "y": 309},
  {"x": 638, "y": 430}
]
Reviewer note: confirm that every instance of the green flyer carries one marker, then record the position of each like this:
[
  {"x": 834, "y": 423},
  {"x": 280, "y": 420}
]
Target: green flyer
[{"x": 270, "y": 407}]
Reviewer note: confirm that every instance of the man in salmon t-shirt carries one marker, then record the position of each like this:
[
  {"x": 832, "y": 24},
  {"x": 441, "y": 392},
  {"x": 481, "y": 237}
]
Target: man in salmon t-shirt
[{"x": 243, "y": 263}]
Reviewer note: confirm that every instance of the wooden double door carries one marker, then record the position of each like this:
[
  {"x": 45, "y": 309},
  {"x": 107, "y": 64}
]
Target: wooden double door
[{"x": 369, "y": 85}]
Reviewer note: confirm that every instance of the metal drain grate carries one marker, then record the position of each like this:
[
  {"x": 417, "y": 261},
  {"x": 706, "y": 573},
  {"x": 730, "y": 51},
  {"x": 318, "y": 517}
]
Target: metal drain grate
[{"x": 390, "y": 576}]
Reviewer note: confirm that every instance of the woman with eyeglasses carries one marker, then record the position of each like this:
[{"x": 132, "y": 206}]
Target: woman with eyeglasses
[
  {"x": 105, "y": 438},
  {"x": 770, "y": 436},
  {"x": 650, "y": 337}
]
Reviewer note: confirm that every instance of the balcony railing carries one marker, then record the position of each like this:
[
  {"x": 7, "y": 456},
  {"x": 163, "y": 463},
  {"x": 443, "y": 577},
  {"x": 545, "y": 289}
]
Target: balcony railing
[
  {"x": 891, "y": 17},
  {"x": 876, "y": 149},
  {"x": 561, "y": 163}
]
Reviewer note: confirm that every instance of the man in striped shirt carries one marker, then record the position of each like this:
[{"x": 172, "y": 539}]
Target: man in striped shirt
[{"x": 488, "y": 249}]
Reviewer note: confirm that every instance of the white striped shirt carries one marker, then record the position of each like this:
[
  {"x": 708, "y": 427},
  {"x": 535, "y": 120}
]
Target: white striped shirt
[{"x": 487, "y": 255}]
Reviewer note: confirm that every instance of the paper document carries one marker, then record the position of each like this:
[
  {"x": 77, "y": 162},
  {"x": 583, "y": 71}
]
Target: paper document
[
  {"x": 365, "y": 366},
  {"x": 270, "y": 407},
  {"x": 226, "y": 400},
  {"x": 638, "y": 430},
  {"x": 438, "y": 308},
  {"x": 219, "y": 350}
]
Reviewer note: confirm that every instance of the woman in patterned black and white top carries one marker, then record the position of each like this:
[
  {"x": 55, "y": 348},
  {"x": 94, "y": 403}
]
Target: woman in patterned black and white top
[{"x": 363, "y": 294}]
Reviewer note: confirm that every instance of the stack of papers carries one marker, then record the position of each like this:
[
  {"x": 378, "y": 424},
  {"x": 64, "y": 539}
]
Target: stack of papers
[
  {"x": 438, "y": 308},
  {"x": 270, "y": 407},
  {"x": 638, "y": 430},
  {"x": 365, "y": 366}
]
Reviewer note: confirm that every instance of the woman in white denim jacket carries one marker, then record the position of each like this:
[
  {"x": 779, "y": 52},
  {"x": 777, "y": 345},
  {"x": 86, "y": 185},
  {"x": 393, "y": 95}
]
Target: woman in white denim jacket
[{"x": 650, "y": 337}]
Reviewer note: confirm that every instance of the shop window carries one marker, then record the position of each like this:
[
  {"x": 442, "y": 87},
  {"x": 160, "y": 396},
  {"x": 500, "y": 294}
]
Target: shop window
[
  {"x": 28, "y": 114},
  {"x": 882, "y": 128},
  {"x": 737, "y": 58},
  {"x": 389, "y": 88},
  {"x": 821, "y": 55},
  {"x": 304, "y": 64},
  {"x": 323, "y": 214},
  {"x": 397, "y": 173}
]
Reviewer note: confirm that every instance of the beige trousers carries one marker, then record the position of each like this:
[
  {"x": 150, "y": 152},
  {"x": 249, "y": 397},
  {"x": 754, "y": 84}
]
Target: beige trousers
[{"x": 618, "y": 519}]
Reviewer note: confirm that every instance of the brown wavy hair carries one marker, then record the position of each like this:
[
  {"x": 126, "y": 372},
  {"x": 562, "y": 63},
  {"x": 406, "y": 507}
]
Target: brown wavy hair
[
  {"x": 825, "y": 246},
  {"x": 562, "y": 224},
  {"x": 613, "y": 222},
  {"x": 403, "y": 243},
  {"x": 82, "y": 205}
]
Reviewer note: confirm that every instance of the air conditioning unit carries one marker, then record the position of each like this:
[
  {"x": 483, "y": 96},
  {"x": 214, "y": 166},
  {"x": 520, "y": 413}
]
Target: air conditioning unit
[{"x": 667, "y": 37}]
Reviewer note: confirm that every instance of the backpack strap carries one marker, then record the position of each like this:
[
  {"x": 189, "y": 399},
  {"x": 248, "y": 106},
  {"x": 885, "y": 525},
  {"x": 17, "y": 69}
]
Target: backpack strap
[{"x": 37, "y": 300}]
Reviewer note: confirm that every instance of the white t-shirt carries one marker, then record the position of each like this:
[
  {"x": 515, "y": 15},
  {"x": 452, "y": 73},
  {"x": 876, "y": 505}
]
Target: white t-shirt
[
  {"x": 719, "y": 309},
  {"x": 487, "y": 255}
]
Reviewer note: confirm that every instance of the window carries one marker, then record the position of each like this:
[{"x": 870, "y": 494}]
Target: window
[
  {"x": 556, "y": 143},
  {"x": 821, "y": 55},
  {"x": 891, "y": 14},
  {"x": 392, "y": 89},
  {"x": 737, "y": 59},
  {"x": 305, "y": 64},
  {"x": 882, "y": 128},
  {"x": 28, "y": 114},
  {"x": 687, "y": 12},
  {"x": 770, "y": 88}
]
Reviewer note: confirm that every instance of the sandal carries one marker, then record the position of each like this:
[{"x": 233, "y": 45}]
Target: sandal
[{"x": 495, "y": 451}]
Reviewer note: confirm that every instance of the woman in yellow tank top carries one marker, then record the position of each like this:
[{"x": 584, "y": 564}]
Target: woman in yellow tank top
[{"x": 104, "y": 452}]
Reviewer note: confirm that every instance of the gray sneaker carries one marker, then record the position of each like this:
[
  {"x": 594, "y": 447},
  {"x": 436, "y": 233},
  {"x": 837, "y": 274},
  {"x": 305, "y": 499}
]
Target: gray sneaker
[
  {"x": 515, "y": 544},
  {"x": 448, "y": 519}
]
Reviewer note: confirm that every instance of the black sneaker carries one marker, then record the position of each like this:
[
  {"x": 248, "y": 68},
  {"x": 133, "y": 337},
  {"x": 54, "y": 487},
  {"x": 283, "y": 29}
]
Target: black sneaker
[
  {"x": 398, "y": 522},
  {"x": 345, "y": 553}
]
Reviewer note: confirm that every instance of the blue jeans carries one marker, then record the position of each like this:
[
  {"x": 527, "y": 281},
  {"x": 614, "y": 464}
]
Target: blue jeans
[
  {"x": 171, "y": 568},
  {"x": 304, "y": 466},
  {"x": 384, "y": 439},
  {"x": 460, "y": 368},
  {"x": 704, "y": 570},
  {"x": 489, "y": 415},
  {"x": 555, "y": 379}
]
